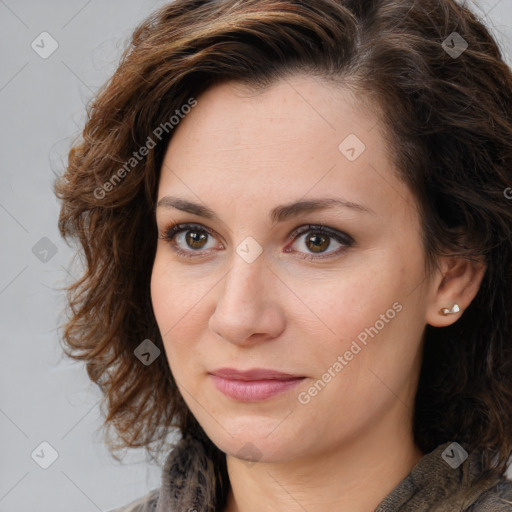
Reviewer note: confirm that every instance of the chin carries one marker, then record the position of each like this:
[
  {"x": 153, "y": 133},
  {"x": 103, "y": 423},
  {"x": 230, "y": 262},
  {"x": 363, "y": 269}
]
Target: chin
[{"x": 255, "y": 445}]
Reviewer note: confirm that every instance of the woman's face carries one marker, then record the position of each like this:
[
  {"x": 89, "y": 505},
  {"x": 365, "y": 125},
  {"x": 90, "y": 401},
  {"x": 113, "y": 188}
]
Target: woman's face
[{"x": 258, "y": 286}]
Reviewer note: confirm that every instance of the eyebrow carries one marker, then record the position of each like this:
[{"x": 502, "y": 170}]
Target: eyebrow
[{"x": 277, "y": 214}]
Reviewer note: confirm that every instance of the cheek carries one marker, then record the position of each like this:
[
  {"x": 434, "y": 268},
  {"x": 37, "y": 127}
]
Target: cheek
[
  {"x": 161, "y": 299},
  {"x": 363, "y": 314},
  {"x": 345, "y": 303},
  {"x": 173, "y": 294},
  {"x": 377, "y": 344},
  {"x": 167, "y": 308},
  {"x": 177, "y": 301}
]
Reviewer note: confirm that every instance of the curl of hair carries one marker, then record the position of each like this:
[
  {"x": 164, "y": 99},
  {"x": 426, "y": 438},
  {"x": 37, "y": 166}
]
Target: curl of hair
[{"x": 448, "y": 128}]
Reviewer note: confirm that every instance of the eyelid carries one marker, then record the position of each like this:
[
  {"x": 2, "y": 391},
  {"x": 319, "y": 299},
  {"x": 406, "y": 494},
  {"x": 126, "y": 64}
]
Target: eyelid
[{"x": 340, "y": 236}]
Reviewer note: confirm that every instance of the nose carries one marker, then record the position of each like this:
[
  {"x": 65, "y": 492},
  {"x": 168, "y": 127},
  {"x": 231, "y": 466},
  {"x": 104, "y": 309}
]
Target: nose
[{"x": 248, "y": 308}]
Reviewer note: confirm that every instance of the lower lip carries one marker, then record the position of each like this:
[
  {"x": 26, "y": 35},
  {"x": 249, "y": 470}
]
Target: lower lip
[{"x": 254, "y": 390}]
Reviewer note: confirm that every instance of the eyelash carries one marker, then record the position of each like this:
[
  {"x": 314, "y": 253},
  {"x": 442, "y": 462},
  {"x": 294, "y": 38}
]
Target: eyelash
[{"x": 171, "y": 231}]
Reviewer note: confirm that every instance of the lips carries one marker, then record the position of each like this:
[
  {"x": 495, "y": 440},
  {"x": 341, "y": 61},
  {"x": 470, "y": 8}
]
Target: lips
[
  {"x": 253, "y": 385},
  {"x": 254, "y": 374}
]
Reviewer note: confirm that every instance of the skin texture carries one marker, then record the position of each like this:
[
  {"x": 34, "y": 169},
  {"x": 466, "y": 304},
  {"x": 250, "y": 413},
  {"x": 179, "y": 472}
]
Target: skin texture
[{"x": 242, "y": 153}]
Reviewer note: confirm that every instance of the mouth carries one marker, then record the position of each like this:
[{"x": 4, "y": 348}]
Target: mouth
[{"x": 253, "y": 385}]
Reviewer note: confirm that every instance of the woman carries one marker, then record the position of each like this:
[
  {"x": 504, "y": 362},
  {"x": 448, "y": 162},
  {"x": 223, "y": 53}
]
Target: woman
[{"x": 298, "y": 247}]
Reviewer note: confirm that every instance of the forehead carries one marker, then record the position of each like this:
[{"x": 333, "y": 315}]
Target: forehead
[{"x": 300, "y": 136}]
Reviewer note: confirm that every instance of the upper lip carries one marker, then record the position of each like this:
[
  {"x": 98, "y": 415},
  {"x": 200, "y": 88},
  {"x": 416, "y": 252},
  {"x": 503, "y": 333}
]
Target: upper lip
[{"x": 253, "y": 374}]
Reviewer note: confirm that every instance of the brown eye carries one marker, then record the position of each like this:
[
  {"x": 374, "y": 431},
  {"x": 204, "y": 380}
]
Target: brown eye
[
  {"x": 317, "y": 243},
  {"x": 196, "y": 239},
  {"x": 317, "y": 240},
  {"x": 188, "y": 240}
]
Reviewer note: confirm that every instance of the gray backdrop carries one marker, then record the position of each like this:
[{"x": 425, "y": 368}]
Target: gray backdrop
[{"x": 55, "y": 54}]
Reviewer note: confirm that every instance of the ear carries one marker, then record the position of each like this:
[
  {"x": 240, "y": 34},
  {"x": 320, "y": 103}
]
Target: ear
[{"x": 457, "y": 281}]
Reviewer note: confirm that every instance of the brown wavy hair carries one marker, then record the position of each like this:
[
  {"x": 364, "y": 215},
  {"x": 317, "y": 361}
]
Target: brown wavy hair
[{"x": 448, "y": 127}]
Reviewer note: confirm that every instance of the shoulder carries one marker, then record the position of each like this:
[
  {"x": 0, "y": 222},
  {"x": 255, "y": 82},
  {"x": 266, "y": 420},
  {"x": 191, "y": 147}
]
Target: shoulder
[
  {"x": 147, "y": 503},
  {"x": 495, "y": 499}
]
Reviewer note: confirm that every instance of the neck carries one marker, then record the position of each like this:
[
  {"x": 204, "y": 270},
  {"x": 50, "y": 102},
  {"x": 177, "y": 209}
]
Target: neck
[{"x": 353, "y": 477}]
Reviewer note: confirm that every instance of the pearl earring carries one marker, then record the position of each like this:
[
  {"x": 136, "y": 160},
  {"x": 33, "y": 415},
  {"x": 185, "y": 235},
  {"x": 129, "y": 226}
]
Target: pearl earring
[{"x": 446, "y": 311}]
